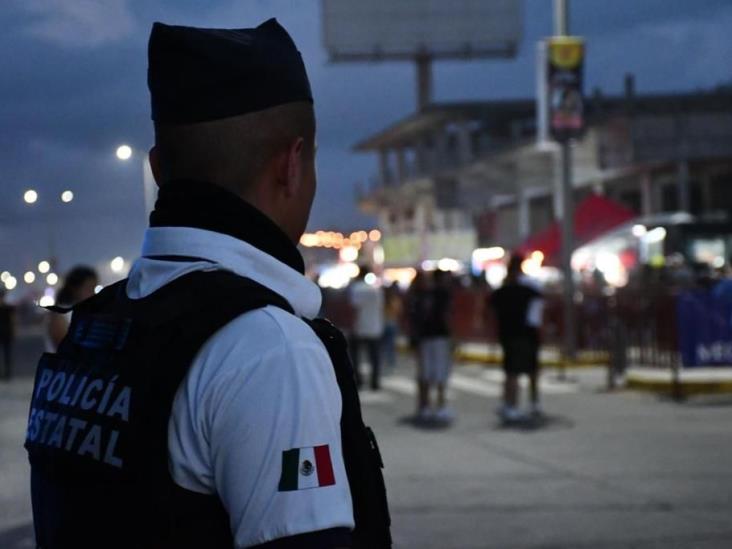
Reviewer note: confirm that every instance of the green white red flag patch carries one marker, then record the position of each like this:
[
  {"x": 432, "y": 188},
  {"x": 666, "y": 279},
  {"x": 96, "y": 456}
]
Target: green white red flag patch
[{"x": 304, "y": 468}]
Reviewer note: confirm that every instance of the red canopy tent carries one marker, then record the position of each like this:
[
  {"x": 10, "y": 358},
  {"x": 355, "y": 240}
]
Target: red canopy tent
[{"x": 593, "y": 216}]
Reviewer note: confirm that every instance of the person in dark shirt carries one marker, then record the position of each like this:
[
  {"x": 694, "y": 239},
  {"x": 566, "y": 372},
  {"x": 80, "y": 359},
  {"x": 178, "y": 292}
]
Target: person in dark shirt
[
  {"x": 517, "y": 307},
  {"x": 430, "y": 311},
  {"x": 7, "y": 334}
]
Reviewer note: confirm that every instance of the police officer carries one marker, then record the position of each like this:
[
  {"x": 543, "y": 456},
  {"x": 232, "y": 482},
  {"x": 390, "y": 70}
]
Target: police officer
[{"x": 196, "y": 404}]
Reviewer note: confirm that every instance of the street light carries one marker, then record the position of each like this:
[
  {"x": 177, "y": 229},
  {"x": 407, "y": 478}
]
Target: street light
[
  {"x": 52, "y": 279},
  {"x": 149, "y": 188},
  {"x": 10, "y": 283},
  {"x": 67, "y": 196},
  {"x": 30, "y": 196},
  {"x": 124, "y": 152},
  {"x": 117, "y": 264},
  {"x": 29, "y": 277},
  {"x": 44, "y": 267}
]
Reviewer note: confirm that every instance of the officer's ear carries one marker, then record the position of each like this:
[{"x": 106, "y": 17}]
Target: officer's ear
[
  {"x": 294, "y": 170},
  {"x": 155, "y": 165}
]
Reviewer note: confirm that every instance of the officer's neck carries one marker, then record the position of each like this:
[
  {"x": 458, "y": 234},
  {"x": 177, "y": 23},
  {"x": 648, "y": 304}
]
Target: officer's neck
[{"x": 189, "y": 203}]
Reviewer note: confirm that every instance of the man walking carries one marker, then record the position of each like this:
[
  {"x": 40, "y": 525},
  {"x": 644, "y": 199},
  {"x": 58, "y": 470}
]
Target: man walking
[{"x": 195, "y": 404}]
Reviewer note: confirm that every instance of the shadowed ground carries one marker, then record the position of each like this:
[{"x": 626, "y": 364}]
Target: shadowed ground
[{"x": 602, "y": 471}]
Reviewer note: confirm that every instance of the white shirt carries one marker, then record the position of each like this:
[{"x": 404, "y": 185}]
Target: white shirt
[
  {"x": 262, "y": 385},
  {"x": 369, "y": 304},
  {"x": 535, "y": 310}
]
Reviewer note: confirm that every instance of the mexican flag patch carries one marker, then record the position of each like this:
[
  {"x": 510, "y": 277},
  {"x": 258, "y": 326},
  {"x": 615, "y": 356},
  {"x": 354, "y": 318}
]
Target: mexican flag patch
[{"x": 304, "y": 468}]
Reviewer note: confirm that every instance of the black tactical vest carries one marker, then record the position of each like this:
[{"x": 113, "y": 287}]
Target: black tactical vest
[{"x": 98, "y": 424}]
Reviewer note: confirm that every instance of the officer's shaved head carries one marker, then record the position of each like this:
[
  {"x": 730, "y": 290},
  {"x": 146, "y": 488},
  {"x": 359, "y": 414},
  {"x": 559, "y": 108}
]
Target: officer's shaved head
[{"x": 232, "y": 152}]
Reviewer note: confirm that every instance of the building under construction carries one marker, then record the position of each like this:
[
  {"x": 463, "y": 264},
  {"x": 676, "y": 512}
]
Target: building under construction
[{"x": 456, "y": 176}]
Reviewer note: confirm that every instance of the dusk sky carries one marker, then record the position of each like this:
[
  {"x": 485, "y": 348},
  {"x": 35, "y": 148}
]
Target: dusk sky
[{"x": 73, "y": 87}]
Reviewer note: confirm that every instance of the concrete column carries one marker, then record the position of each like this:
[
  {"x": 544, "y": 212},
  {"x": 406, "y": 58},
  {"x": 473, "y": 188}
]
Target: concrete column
[
  {"x": 465, "y": 145},
  {"x": 440, "y": 151},
  {"x": 402, "y": 173},
  {"x": 646, "y": 187},
  {"x": 682, "y": 178},
  {"x": 706, "y": 191},
  {"x": 384, "y": 170},
  {"x": 524, "y": 213},
  {"x": 421, "y": 157}
]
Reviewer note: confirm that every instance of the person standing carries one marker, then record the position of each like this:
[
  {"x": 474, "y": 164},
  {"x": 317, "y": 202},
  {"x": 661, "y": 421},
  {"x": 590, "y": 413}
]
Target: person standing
[
  {"x": 79, "y": 284},
  {"x": 7, "y": 334},
  {"x": 518, "y": 308},
  {"x": 431, "y": 312},
  {"x": 367, "y": 301},
  {"x": 198, "y": 403},
  {"x": 392, "y": 317}
]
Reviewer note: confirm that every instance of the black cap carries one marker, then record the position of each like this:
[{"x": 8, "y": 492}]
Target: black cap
[{"x": 196, "y": 75}]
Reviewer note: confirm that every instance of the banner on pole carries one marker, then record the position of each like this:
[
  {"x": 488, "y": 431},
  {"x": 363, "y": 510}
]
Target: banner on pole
[{"x": 565, "y": 60}]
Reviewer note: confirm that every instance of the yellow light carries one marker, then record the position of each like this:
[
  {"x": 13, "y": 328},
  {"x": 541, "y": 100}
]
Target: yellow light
[
  {"x": 352, "y": 270},
  {"x": 537, "y": 256},
  {"x": 348, "y": 253},
  {"x": 403, "y": 276},
  {"x": 124, "y": 152},
  {"x": 30, "y": 196},
  {"x": 309, "y": 240},
  {"x": 531, "y": 267},
  {"x": 29, "y": 277},
  {"x": 448, "y": 264},
  {"x": 363, "y": 236},
  {"x": 51, "y": 279},
  {"x": 44, "y": 267},
  {"x": 374, "y": 235}
]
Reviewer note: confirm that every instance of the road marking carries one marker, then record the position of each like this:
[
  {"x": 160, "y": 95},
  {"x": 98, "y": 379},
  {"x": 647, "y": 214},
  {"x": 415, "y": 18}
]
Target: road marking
[
  {"x": 400, "y": 384},
  {"x": 370, "y": 397},
  {"x": 545, "y": 385},
  {"x": 489, "y": 384},
  {"x": 474, "y": 386}
]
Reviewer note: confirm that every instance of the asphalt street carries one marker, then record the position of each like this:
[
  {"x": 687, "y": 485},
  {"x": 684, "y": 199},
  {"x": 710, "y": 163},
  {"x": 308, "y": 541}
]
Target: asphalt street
[{"x": 606, "y": 470}]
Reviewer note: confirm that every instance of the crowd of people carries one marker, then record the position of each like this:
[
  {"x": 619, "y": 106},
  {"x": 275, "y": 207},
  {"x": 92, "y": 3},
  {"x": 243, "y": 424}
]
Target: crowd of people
[{"x": 423, "y": 315}]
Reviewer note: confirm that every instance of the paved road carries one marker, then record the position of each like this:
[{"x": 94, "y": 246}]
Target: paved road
[{"x": 607, "y": 471}]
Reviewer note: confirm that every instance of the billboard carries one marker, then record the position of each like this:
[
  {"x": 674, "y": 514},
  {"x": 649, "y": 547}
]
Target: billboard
[{"x": 406, "y": 29}]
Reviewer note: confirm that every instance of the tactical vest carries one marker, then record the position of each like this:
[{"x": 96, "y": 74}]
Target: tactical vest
[{"x": 97, "y": 434}]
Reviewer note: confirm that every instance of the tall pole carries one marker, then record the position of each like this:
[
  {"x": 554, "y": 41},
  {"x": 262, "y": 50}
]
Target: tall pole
[
  {"x": 424, "y": 80},
  {"x": 561, "y": 28}
]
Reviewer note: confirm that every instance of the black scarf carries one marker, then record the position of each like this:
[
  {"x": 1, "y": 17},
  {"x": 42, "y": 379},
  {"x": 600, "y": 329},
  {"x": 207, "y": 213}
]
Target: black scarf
[{"x": 206, "y": 206}]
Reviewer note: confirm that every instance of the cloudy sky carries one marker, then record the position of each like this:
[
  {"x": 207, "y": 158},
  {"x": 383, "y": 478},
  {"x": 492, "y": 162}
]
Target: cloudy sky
[{"x": 73, "y": 88}]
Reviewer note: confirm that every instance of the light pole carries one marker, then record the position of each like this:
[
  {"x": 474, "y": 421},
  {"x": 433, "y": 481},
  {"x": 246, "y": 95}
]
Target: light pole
[
  {"x": 125, "y": 153},
  {"x": 561, "y": 28}
]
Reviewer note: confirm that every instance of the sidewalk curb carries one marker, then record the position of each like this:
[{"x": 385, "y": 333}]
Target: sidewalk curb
[
  {"x": 690, "y": 383},
  {"x": 496, "y": 359},
  {"x": 687, "y": 388}
]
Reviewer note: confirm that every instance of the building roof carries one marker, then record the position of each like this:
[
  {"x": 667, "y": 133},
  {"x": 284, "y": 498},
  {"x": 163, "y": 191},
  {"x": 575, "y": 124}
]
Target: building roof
[{"x": 436, "y": 115}]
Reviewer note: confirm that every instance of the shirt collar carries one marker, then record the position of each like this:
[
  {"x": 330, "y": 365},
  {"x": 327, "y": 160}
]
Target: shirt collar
[{"x": 217, "y": 251}]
